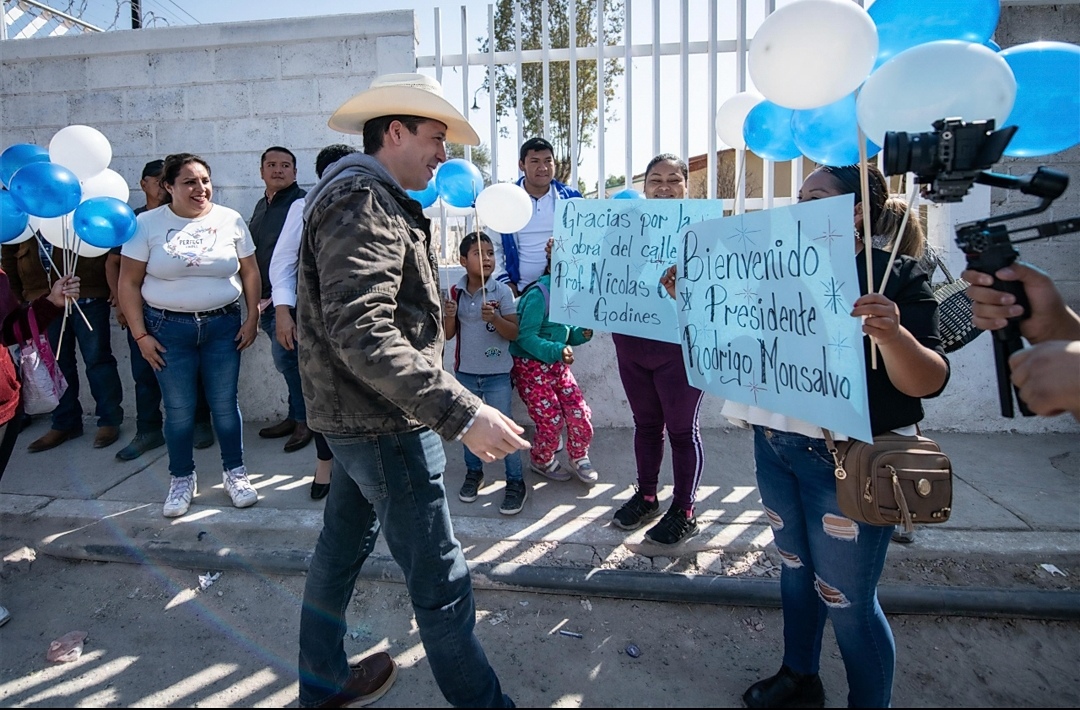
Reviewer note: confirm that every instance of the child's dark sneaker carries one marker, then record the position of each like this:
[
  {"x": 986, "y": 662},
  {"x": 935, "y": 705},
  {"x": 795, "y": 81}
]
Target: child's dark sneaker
[
  {"x": 673, "y": 528},
  {"x": 517, "y": 492},
  {"x": 470, "y": 489}
]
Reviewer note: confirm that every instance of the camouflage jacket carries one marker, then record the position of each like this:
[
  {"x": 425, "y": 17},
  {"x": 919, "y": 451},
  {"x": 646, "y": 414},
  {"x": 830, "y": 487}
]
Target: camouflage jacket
[{"x": 369, "y": 311}]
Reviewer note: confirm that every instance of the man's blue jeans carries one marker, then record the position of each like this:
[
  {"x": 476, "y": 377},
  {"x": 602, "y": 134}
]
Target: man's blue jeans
[
  {"x": 101, "y": 373},
  {"x": 198, "y": 347},
  {"x": 393, "y": 482},
  {"x": 286, "y": 363},
  {"x": 148, "y": 419},
  {"x": 830, "y": 566},
  {"x": 496, "y": 391}
]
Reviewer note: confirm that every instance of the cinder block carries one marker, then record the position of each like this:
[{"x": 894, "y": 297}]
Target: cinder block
[
  {"x": 179, "y": 68},
  {"x": 241, "y": 199},
  {"x": 131, "y": 140},
  {"x": 94, "y": 107},
  {"x": 314, "y": 59},
  {"x": 178, "y": 136},
  {"x": 16, "y": 78},
  {"x": 118, "y": 71},
  {"x": 360, "y": 55},
  {"x": 246, "y": 63},
  {"x": 149, "y": 104},
  {"x": 334, "y": 92},
  {"x": 247, "y": 134},
  {"x": 33, "y": 110},
  {"x": 67, "y": 74},
  {"x": 232, "y": 170},
  {"x": 310, "y": 133},
  {"x": 272, "y": 98},
  {"x": 395, "y": 54},
  {"x": 222, "y": 100}
]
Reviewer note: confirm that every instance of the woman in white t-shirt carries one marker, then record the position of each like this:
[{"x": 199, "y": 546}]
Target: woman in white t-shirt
[{"x": 181, "y": 279}]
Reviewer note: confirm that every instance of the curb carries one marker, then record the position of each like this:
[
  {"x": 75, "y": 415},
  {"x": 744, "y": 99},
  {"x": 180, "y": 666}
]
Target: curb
[{"x": 621, "y": 584}]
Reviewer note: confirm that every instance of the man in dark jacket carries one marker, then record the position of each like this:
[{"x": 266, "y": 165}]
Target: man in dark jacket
[
  {"x": 277, "y": 167},
  {"x": 369, "y": 324}
]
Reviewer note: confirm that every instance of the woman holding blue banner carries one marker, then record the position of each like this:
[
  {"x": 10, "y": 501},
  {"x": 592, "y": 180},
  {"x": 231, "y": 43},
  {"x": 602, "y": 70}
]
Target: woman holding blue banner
[
  {"x": 660, "y": 396},
  {"x": 832, "y": 564}
]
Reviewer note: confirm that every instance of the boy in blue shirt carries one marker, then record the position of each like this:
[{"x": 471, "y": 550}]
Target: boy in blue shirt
[{"x": 482, "y": 315}]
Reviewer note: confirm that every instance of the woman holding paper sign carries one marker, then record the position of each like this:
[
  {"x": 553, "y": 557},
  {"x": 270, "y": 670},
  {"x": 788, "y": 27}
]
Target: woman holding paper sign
[
  {"x": 831, "y": 564},
  {"x": 660, "y": 397}
]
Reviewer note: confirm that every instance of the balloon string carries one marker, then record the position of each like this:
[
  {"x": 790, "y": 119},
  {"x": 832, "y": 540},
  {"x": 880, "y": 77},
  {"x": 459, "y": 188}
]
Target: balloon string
[
  {"x": 480, "y": 254},
  {"x": 44, "y": 250},
  {"x": 864, "y": 185}
]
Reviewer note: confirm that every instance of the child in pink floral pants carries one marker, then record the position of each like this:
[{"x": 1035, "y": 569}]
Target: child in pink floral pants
[{"x": 542, "y": 356}]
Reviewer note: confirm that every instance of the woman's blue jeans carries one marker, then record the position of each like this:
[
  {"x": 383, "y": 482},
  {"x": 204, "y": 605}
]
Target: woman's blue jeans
[
  {"x": 393, "y": 483},
  {"x": 198, "y": 347},
  {"x": 830, "y": 566},
  {"x": 496, "y": 391}
]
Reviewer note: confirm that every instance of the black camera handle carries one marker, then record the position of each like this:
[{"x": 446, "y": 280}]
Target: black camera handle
[{"x": 988, "y": 248}]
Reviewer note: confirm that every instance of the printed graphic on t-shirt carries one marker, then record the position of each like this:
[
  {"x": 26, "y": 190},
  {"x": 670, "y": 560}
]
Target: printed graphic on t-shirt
[
  {"x": 191, "y": 246},
  {"x": 493, "y": 352}
]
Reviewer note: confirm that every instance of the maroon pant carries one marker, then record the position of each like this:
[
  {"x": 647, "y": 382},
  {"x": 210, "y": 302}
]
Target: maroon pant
[{"x": 660, "y": 396}]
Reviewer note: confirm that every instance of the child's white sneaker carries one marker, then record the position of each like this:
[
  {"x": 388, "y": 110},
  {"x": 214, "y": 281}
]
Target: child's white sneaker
[{"x": 585, "y": 471}]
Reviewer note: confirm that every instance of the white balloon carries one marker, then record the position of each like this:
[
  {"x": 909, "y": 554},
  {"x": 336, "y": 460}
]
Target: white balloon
[
  {"x": 107, "y": 183},
  {"x": 89, "y": 250},
  {"x": 28, "y": 233},
  {"x": 943, "y": 79},
  {"x": 52, "y": 229},
  {"x": 504, "y": 207},
  {"x": 732, "y": 115},
  {"x": 813, "y": 52},
  {"x": 83, "y": 150}
]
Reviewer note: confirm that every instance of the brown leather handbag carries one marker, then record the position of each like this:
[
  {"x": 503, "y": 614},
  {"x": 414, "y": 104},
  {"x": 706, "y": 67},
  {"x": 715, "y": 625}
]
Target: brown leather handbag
[{"x": 897, "y": 480}]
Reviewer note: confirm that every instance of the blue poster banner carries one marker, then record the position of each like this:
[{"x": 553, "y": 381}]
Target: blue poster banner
[
  {"x": 764, "y": 302},
  {"x": 607, "y": 259}
]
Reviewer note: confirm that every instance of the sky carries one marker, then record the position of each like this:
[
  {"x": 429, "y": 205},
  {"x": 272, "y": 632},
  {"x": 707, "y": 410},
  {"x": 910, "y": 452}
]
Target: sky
[{"x": 187, "y": 12}]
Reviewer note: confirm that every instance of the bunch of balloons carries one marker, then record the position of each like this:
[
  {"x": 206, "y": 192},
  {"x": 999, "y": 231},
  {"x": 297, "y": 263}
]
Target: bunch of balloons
[
  {"x": 827, "y": 68},
  {"x": 67, "y": 193},
  {"x": 457, "y": 190}
]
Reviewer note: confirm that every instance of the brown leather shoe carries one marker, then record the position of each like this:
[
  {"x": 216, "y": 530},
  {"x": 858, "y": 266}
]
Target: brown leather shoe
[
  {"x": 106, "y": 436},
  {"x": 300, "y": 438},
  {"x": 53, "y": 438},
  {"x": 282, "y": 428},
  {"x": 368, "y": 681}
]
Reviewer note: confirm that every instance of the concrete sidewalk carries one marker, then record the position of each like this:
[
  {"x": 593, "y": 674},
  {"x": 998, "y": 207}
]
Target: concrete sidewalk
[{"x": 1017, "y": 499}]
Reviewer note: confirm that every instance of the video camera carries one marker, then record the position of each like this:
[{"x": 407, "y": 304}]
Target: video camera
[{"x": 947, "y": 161}]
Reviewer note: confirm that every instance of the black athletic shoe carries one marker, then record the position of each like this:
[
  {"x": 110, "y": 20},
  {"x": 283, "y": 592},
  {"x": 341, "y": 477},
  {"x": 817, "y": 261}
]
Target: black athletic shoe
[
  {"x": 470, "y": 489},
  {"x": 673, "y": 528},
  {"x": 517, "y": 492},
  {"x": 786, "y": 689},
  {"x": 635, "y": 512}
]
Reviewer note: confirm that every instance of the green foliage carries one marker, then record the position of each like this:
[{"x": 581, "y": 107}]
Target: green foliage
[{"x": 532, "y": 78}]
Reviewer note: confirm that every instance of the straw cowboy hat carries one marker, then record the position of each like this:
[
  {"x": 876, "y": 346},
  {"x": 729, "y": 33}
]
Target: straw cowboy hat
[{"x": 403, "y": 95}]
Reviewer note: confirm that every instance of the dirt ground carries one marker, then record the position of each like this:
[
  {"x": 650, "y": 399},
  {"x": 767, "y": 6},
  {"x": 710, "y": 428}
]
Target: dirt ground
[{"x": 156, "y": 641}]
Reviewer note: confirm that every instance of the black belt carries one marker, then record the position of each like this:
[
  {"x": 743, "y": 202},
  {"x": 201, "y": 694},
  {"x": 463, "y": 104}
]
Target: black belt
[{"x": 235, "y": 305}]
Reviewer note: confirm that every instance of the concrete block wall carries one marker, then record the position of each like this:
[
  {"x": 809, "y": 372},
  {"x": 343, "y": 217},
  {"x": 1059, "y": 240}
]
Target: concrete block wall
[{"x": 224, "y": 91}]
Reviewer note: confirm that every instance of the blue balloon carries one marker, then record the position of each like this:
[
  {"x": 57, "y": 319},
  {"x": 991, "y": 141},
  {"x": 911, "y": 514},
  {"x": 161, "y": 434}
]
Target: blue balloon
[
  {"x": 12, "y": 219},
  {"x": 104, "y": 222},
  {"x": 628, "y": 194},
  {"x": 427, "y": 196},
  {"x": 767, "y": 131},
  {"x": 459, "y": 182},
  {"x": 829, "y": 134},
  {"x": 992, "y": 45},
  {"x": 18, "y": 155},
  {"x": 903, "y": 24},
  {"x": 45, "y": 189},
  {"x": 1047, "y": 108}
]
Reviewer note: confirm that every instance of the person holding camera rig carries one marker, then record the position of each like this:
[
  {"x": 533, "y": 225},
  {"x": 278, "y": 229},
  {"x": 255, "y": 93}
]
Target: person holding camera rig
[{"x": 1047, "y": 375}]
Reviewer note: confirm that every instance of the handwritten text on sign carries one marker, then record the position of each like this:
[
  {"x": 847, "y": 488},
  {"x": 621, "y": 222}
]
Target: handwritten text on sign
[
  {"x": 607, "y": 259},
  {"x": 763, "y": 303}
]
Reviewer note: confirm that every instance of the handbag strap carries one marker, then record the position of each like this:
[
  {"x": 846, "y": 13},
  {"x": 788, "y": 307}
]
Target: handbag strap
[
  {"x": 901, "y": 499},
  {"x": 830, "y": 443},
  {"x": 944, "y": 269}
]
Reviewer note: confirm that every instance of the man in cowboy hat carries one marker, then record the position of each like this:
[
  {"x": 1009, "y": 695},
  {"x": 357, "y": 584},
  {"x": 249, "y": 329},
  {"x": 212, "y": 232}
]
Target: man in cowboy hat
[{"x": 369, "y": 319}]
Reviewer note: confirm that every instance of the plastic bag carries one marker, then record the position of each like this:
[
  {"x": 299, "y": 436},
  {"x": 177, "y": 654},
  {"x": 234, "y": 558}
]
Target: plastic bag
[{"x": 42, "y": 382}]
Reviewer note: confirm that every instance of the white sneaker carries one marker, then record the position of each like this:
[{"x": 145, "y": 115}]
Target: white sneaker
[
  {"x": 239, "y": 488},
  {"x": 181, "y": 490},
  {"x": 585, "y": 471}
]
